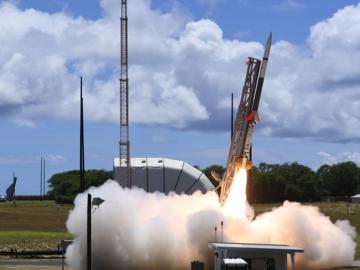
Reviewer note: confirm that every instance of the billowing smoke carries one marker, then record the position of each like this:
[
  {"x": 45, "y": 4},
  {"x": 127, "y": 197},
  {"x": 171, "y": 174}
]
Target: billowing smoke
[{"x": 133, "y": 229}]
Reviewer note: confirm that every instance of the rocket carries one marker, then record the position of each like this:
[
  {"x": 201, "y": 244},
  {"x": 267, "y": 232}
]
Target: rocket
[
  {"x": 262, "y": 73},
  {"x": 253, "y": 117},
  {"x": 246, "y": 119}
]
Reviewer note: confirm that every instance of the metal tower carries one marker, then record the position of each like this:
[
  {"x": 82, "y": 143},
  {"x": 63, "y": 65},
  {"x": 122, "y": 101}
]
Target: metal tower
[
  {"x": 124, "y": 169},
  {"x": 241, "y": 125},
  {"x": 82, "y": 154}
]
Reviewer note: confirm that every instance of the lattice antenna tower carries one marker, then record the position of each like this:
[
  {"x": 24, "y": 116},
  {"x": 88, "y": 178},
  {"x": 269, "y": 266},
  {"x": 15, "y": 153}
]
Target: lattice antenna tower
[{"x": 124, "y": 99}]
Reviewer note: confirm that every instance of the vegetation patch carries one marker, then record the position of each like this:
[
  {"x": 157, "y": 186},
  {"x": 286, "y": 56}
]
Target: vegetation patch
[
  {"x": 45, "y": 216},
  {"x": 29, "y": 240}
]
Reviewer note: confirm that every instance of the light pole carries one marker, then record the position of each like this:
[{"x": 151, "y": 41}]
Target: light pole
[
  {"x": 88, "y": 263},
  {"x": 90, "y": 203}
]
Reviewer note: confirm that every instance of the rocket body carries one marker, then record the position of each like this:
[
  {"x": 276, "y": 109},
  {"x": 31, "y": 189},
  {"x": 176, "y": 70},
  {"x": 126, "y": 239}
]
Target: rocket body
[
  {"x": 246, "y": 119},
  {"x": 253, "y": 116}
]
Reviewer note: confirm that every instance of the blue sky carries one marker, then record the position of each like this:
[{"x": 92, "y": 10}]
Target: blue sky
[{"x": 186, "y": 58}]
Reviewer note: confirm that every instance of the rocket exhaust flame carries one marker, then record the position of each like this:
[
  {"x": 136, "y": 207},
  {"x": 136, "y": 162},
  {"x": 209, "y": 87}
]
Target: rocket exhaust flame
[
  {"x": 138, "y": 230},
  {"x": 236, "y": 203}
]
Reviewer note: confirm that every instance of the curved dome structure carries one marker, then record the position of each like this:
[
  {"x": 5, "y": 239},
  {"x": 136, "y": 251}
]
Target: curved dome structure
[{"x": 164, "y": 175}]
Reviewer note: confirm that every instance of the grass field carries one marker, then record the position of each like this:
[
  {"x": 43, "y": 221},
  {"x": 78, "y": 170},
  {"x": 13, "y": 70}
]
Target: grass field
[
  {"x": 41, "y": 224},
  {"x": 33, "y": 224}
]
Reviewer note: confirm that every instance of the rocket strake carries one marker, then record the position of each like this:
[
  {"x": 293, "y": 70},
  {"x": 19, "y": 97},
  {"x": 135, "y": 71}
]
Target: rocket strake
[{"x": 246, "y": 119}]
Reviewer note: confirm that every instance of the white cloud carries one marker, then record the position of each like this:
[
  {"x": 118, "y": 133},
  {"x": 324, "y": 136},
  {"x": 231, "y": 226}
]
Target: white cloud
[
  {"x": 182, "y": 72},
  {"x": 287, "y": 5},
  {"x": 24, "y": 122},
  {"x": 9, "y": 160},
  {"x": 45, "y": 54},
  {"x": 211, "y": 5},
  {"x": 211, "y": 1},
  {"x": 340, "y": 157},
  {"x": 55, "y": 158}
]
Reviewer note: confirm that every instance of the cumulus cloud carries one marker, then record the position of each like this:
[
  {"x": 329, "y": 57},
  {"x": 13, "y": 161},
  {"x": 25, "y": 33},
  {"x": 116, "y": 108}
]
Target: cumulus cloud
[
  {"x": 55, "y": 158},
  {"x": 52, "y": 158},
  {"x": 44, "y": 54},
  {"x": 341, "y": 157},
  {"x": 181, "y": 73},
  {"x": 211, "y": 4},
  {"x": 287, "y": 5}
]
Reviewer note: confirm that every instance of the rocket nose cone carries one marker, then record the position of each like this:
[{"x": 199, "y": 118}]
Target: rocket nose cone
[
  {"x": 268, "y": 46},
  {"x": 269, "y": 40}
]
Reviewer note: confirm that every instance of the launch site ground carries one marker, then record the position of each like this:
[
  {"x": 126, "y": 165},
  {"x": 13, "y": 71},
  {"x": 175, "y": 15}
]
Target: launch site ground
[
  {"x": 31, "y": 264},
  {"x": 41, "y": 224}
]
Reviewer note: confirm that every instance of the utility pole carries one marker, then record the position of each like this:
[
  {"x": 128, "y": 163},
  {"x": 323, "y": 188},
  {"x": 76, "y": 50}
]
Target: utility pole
[
  {"x": 82, "y": 156},
  {"x": 90, "y": 203},
  {"x": 41, "y": 177},
  {"x": 44, "y": 186},
  {"x": 88, "y": 242},
  {"x": 124, "y": 175}
]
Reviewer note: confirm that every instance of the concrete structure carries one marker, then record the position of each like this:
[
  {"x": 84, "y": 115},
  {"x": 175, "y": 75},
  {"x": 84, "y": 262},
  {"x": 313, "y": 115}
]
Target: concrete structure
[
  {"x": 236, "y": 256},
  {"x": 355, "y": 198},
  {"x": 164, "y": 175}
]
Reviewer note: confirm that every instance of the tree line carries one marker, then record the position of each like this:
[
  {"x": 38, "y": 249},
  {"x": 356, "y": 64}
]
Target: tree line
[
  {"x": 267, "y": 183},
  {"x": 273, "y": 183},
  {"x": 64, "y": 186}
]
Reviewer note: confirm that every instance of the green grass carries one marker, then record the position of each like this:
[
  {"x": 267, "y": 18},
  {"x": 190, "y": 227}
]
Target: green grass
[
  {"x": 33, "y": 224},
  {"x": 33, "y": 216},
  {"x": 31, "y": 239},
  {"x": 358, "y": 247}
]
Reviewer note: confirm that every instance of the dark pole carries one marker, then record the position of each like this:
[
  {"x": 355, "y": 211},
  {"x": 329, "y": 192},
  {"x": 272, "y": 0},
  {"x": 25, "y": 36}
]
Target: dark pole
[
  {"x": 88, "y": 257},
  {"x": 232, "y": 115},
  {"x": 82, "y": 159},
  {"x": 249, "y": 186},
  {"x": 41, "y": 177},
  {"x": 44, "y": 179}
]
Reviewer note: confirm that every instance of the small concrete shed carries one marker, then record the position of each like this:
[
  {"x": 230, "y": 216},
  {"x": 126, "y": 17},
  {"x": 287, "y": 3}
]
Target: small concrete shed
[{"x": 239, "y": 256}]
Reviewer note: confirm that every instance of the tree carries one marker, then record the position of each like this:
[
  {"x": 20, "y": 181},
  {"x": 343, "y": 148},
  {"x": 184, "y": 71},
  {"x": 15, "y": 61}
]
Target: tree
[
  {"x": 278, "y": 182},
  {"x": 65, "y": 186},
  {"x": 341, "y": 179},
  {"x": 216, "y": 168}
]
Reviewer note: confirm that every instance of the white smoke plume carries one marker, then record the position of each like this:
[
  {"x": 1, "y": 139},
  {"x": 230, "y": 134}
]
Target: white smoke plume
[{"x": 133, "y": 229}]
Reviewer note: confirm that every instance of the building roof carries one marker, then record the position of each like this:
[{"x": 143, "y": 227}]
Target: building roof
[
  {"x": 234, "y": 261},
  {"x": 165, "y": 175},
  {"x": 216, "y": 246}
]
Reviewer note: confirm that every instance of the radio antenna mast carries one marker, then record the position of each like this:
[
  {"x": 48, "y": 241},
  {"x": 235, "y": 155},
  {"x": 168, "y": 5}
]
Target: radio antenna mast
[{"x": 124, "y": 100}]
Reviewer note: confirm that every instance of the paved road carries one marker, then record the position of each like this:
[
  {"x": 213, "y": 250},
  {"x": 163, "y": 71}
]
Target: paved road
[{"x": 48, "y": 264}]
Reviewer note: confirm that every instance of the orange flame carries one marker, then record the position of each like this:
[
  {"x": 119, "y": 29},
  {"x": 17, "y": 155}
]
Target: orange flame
[{"x": 236, "y": 203}]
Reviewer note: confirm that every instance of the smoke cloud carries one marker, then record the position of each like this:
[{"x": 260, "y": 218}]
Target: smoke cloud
[{"x": 133, "y": 229}]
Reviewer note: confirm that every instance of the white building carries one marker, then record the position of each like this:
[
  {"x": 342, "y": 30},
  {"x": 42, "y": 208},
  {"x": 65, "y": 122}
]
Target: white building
[
  {"x": 164, "y": 175},
  {"x": 237, "y": 256}
]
